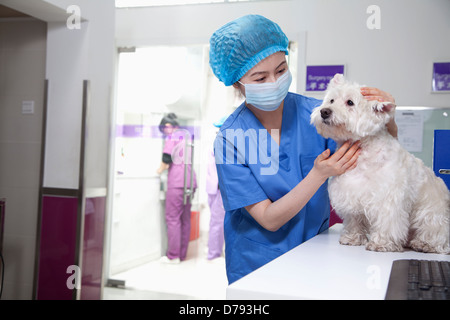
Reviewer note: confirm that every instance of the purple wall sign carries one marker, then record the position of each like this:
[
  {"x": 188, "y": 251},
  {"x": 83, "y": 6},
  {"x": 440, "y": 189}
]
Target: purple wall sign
[
  {"x": 317, "y": 77},
  {"x": 441, "y": 76}
]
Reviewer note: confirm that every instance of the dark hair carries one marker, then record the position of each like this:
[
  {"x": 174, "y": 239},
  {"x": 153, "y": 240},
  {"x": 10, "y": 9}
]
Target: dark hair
[{"x": 170, "y": 118}]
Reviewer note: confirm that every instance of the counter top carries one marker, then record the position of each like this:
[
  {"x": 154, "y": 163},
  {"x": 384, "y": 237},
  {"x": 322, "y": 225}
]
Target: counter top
[{"x": 321, "y": 268}]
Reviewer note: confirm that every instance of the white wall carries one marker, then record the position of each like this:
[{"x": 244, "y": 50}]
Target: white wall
[
  {"x": 100, "y": 64},
  {"x": 397, "y": 58},
  {"x": 67, "y": 52}
]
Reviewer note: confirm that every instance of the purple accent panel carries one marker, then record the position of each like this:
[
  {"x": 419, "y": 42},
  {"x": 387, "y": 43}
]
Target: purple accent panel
[
  {"x": 143, "y": 131},
  {"x": 317, "y": 77},
  {"x": 58, "y": 245},
  {"x": 94, "y": 222}
]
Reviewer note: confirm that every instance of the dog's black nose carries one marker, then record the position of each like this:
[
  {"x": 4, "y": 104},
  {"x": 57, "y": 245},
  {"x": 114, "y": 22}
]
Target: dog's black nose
[{"x": 325, "y": 113}]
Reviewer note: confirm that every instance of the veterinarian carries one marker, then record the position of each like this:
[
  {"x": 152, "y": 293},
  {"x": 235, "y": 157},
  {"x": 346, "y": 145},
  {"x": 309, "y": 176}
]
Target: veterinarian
[
  {"x": 270, "y": 210},
  {"x": 178, "y": 214}
]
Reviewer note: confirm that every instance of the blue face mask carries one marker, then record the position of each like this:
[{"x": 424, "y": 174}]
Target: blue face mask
[{"x": 268, "y": 96}]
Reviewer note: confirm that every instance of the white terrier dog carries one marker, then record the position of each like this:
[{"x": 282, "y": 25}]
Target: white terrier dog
[{"x": 391, "y": 200}]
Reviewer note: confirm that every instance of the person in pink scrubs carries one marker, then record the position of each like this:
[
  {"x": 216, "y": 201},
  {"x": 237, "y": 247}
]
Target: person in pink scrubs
[
  {"x": 178, "y": 214},
  {"x": 216, "y": 238}
]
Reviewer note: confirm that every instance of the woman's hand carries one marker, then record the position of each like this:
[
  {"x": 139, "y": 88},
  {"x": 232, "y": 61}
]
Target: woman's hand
[
  {"x": 163, "y": 166},
  {"x": 342, "y": 160},
  {"x": 376, "y": 94},
  {"x": 382, "y": 96}
]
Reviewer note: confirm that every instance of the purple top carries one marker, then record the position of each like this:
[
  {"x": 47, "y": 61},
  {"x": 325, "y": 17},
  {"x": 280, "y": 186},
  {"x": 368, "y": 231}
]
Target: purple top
[{"x": 175, "y": 146}]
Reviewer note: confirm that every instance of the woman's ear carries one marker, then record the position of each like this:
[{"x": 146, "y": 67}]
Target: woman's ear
[{"x": 240, "y": 88}]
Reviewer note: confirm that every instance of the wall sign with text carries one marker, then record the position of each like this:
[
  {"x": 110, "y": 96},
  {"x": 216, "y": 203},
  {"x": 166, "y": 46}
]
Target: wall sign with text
[
  {"x": 317, "y": 77},
  {"x": 441, "y": 77}
]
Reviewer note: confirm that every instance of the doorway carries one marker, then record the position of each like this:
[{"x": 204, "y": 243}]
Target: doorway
[{"x": 152, "y": 82}]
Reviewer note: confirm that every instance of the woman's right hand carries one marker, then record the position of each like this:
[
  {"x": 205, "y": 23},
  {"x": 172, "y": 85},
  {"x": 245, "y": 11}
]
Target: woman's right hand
[
  {"x": 342, "y": 160},
  {"x": 162, "y": 167}
]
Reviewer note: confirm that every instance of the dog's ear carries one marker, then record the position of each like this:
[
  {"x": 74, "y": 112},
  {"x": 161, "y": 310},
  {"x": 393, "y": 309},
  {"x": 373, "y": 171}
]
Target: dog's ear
[
  {"x": 383, "y": 106},
  {"x": 337, "y": 80}
]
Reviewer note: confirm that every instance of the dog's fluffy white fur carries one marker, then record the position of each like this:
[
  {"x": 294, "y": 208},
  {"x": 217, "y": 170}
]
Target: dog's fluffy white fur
[{"x": 391, "y": 200}]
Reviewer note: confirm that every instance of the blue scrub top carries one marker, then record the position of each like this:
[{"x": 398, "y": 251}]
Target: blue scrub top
[{"x": 251, "y": 168}]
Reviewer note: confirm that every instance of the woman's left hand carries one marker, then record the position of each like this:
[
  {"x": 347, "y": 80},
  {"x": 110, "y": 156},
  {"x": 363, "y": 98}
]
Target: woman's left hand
[{"x": 376, "y": 94}]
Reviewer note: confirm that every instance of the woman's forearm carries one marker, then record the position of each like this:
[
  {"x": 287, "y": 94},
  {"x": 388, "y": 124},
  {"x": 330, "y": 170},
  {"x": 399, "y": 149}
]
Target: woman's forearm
[
  {"x": 281, "y": 211},
  {"x": 273, "y": 215}
]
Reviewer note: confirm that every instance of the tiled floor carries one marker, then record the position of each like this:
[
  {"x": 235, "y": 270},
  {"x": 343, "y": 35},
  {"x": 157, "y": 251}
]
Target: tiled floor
[{"x": 194, "y": 278}]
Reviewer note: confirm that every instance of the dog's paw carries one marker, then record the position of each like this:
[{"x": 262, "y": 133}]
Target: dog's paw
[
  {"x": 353, "y": 239},
  {"x": 421, "y": 246},
  {"x": 384, "y": 247}
]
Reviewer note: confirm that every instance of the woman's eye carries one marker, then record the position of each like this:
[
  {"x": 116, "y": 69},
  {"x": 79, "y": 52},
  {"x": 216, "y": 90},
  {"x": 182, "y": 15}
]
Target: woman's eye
[
  {"x": 281, "y": 71},
  {"x": 332, "y": 100},
  {"x": 350, "y": 103}
]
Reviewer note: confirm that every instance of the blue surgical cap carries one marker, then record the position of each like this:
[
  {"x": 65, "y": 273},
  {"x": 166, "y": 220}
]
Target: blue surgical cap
[{"x": 239, "y": 45}]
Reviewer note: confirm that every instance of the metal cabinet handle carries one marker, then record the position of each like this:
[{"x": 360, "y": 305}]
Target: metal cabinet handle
[
  {"x": 444, "y": 171},
  {"x": 188, "y": 193}
]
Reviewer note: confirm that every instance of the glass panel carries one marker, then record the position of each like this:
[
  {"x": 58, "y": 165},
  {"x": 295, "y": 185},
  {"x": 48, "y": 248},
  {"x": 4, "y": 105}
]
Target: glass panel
[{"x": 416, "y": 127}]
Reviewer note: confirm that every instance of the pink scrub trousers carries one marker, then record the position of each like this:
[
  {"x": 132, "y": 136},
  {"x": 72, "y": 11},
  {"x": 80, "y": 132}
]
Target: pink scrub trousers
[{"x": 178, "y": 220}]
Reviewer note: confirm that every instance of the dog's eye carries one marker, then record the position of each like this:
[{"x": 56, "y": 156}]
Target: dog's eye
[
  {"x": 350, "y": 102},
  {"x": 332, "y": 100}
]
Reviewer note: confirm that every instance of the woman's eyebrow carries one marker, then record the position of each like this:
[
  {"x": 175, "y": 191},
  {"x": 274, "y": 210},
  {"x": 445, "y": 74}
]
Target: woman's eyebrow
[
  {"x": 263, "y": 72},
  {"x": 258, "y": 73},
  {"x": 284, "y": 62}
]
